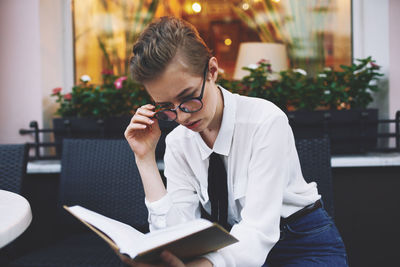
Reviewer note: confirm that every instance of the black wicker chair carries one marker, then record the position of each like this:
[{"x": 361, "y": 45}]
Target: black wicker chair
[
  {"x": 13, "y": 160},
  {"x": 100, "y": 175},
  {"x": 315, "y": 161}
]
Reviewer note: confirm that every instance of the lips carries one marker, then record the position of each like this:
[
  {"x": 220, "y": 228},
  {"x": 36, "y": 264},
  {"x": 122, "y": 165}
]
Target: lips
[{"x": 192, "y": 125}]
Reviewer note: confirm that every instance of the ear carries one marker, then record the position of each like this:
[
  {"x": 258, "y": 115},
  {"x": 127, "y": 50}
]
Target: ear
[{"x": 212, "y": 69}]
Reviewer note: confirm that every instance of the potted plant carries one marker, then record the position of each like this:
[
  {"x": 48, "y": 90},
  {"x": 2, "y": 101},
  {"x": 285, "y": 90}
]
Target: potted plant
[
  {"x": 100, "y": 110},
  {"x": 332, "y": 102},
  {"x": 352, "y": 126}
]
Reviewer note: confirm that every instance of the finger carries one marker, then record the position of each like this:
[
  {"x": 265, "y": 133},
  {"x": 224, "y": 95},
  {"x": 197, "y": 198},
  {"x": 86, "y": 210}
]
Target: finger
[
  {"x": 136, "y": 126},
  {"x": 171, "y": 260},
  {"x": 150, "y": 106},
  {"x": 132, "y": 128},
  {"x": 142, "y": 119},
  {"x": 146, "y": 107},
  {"x": 146, "y": 112}
]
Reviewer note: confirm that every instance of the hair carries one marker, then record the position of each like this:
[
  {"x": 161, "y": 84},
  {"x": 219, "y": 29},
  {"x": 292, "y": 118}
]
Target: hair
[{"x": 160, "y": 42}]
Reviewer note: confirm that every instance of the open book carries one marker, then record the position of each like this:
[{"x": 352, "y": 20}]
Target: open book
[{"x": 186, "y": 240}]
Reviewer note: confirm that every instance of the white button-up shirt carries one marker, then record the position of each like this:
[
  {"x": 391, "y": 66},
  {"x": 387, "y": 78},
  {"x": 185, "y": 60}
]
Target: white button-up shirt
[{"x": 264, "y": 178}]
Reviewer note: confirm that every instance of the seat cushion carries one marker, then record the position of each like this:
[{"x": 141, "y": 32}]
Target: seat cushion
[{"x": 86, "y": 250}]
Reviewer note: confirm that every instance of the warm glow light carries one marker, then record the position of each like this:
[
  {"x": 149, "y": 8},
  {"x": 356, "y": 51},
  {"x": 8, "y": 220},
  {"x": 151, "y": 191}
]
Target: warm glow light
[
  {"x": 276, "y": 1},
  {"x": 196, "y": 7},
  {"x": 245, "y": 6},
  {"x": 228, "y": 42}
]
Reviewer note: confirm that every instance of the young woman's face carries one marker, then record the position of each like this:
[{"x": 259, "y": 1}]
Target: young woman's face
[{"x": 176, "y": 85}]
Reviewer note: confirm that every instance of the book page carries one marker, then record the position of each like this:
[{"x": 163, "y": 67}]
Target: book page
[
  {"x": 185, "y": 240},
  {"x": 162, "y": 236},
  {"x": 190, "y": 245},
  {"x": 128, "y": 239}
]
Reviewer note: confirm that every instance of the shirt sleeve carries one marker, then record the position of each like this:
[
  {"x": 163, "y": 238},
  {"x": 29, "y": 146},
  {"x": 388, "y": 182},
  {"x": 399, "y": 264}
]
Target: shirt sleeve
[
  {"x": 258, "y": 231},
  {"x": 181, "y": 203}
]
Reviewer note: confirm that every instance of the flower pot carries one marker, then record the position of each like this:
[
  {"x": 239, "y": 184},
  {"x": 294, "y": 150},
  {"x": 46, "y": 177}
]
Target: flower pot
[
  {"x": 351, "y": 131},
  {"x": 108, "y": 128}
]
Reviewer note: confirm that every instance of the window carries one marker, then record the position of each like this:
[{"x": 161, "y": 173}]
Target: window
[{"x": 316, "y": 33}]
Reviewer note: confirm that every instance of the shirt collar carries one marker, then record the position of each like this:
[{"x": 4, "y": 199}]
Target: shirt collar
[{"x": 223, "y": 142}]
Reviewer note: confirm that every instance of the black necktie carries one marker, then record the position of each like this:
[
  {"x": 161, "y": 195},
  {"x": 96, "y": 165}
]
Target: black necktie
[{"x": 218, "y": 190}]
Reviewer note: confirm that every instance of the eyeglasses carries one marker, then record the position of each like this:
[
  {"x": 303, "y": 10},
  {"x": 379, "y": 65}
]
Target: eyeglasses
[{"x": 190, "y": 105}]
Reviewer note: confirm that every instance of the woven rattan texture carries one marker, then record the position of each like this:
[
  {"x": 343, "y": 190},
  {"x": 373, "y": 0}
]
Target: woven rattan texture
[
  {"x": 13, "y": 160},
  {"x": 82, "y": 250},
  {"x": 100, "y": 175},
  {"x": 315, "y": 161}
]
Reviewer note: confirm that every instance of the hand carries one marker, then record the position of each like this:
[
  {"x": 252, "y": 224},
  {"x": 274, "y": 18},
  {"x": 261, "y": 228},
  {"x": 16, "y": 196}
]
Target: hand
[
  {"x": 169, "y": 260},
  {"x": 143, "y": 132}
]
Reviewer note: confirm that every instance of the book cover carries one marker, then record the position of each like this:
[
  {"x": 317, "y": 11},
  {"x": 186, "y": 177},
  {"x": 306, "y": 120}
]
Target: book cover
[{"x": 186, "y": 241}]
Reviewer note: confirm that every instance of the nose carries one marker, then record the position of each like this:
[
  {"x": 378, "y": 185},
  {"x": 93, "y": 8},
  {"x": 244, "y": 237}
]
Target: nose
[{"x": 182, "y": 117}]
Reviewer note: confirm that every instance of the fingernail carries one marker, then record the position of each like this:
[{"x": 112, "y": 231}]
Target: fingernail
[{"x": 151, "y": 121}]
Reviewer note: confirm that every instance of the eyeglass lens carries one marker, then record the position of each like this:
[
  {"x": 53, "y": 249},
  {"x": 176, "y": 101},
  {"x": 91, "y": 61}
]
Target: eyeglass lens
[{"x": 189, "y": 106}]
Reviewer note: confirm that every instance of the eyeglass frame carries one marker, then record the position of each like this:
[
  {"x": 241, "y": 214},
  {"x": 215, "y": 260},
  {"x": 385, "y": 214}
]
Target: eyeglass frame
[{"x": 190, "y": 99}]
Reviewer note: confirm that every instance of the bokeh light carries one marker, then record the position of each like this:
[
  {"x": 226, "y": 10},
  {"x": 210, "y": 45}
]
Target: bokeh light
[{"x": 196, "y": 7}]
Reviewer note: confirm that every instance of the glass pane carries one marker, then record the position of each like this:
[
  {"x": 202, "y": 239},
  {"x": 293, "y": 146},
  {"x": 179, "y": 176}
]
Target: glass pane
[
  {"x": 104, "y": 32},
  {"x": 316, "y": 33}
]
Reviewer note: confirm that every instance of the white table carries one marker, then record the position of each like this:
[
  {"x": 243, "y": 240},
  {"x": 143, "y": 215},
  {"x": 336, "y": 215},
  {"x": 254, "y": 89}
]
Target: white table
[{"x": 15, "y": 216}]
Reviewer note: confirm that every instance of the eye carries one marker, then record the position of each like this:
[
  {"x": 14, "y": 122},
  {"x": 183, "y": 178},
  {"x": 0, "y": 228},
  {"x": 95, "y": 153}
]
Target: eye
[
  {"x": 185, "y": 109},
  {"x": 188, "y": 97}
]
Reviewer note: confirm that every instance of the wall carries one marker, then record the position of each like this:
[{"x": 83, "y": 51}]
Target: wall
[
  {"x": 371, "y": 38},
  {"x": 20, "y": 75},
  {"x": 56, "y": 52},
  {"x": 394, "y": 51},
  {"x": 376, "y": 33},
  {"x": 36, "y": 56}
]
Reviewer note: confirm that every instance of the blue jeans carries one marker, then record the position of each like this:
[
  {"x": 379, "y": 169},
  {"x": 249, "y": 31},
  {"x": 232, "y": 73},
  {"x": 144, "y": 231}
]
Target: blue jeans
[{"x": 311, "y": 240}]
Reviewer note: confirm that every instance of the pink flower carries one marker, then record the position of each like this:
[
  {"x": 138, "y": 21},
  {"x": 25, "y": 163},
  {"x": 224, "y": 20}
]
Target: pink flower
[
  {"x": 375, "y": 66},
  {"x": 68, "y": 96},
  {"x": 262, "y": 61},
  {"x": 119, "y": 82},
  {"x": 107, "y": 72},
  {"x": 244, "y": 87},
  {"x": 56, "y": 90}
]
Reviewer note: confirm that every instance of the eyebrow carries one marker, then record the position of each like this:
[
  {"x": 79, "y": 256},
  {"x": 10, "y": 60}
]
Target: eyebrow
[{"x": 180, "y": 95}]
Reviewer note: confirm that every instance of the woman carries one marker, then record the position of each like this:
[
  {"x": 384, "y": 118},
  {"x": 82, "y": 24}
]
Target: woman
[{"x": 262, "y": 196}]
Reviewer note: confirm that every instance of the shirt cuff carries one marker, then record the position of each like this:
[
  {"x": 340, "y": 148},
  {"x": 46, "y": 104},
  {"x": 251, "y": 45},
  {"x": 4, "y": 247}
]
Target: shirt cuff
[
  {"x": 158, "y": 211},
  {"x": 216, "y": 259}
]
